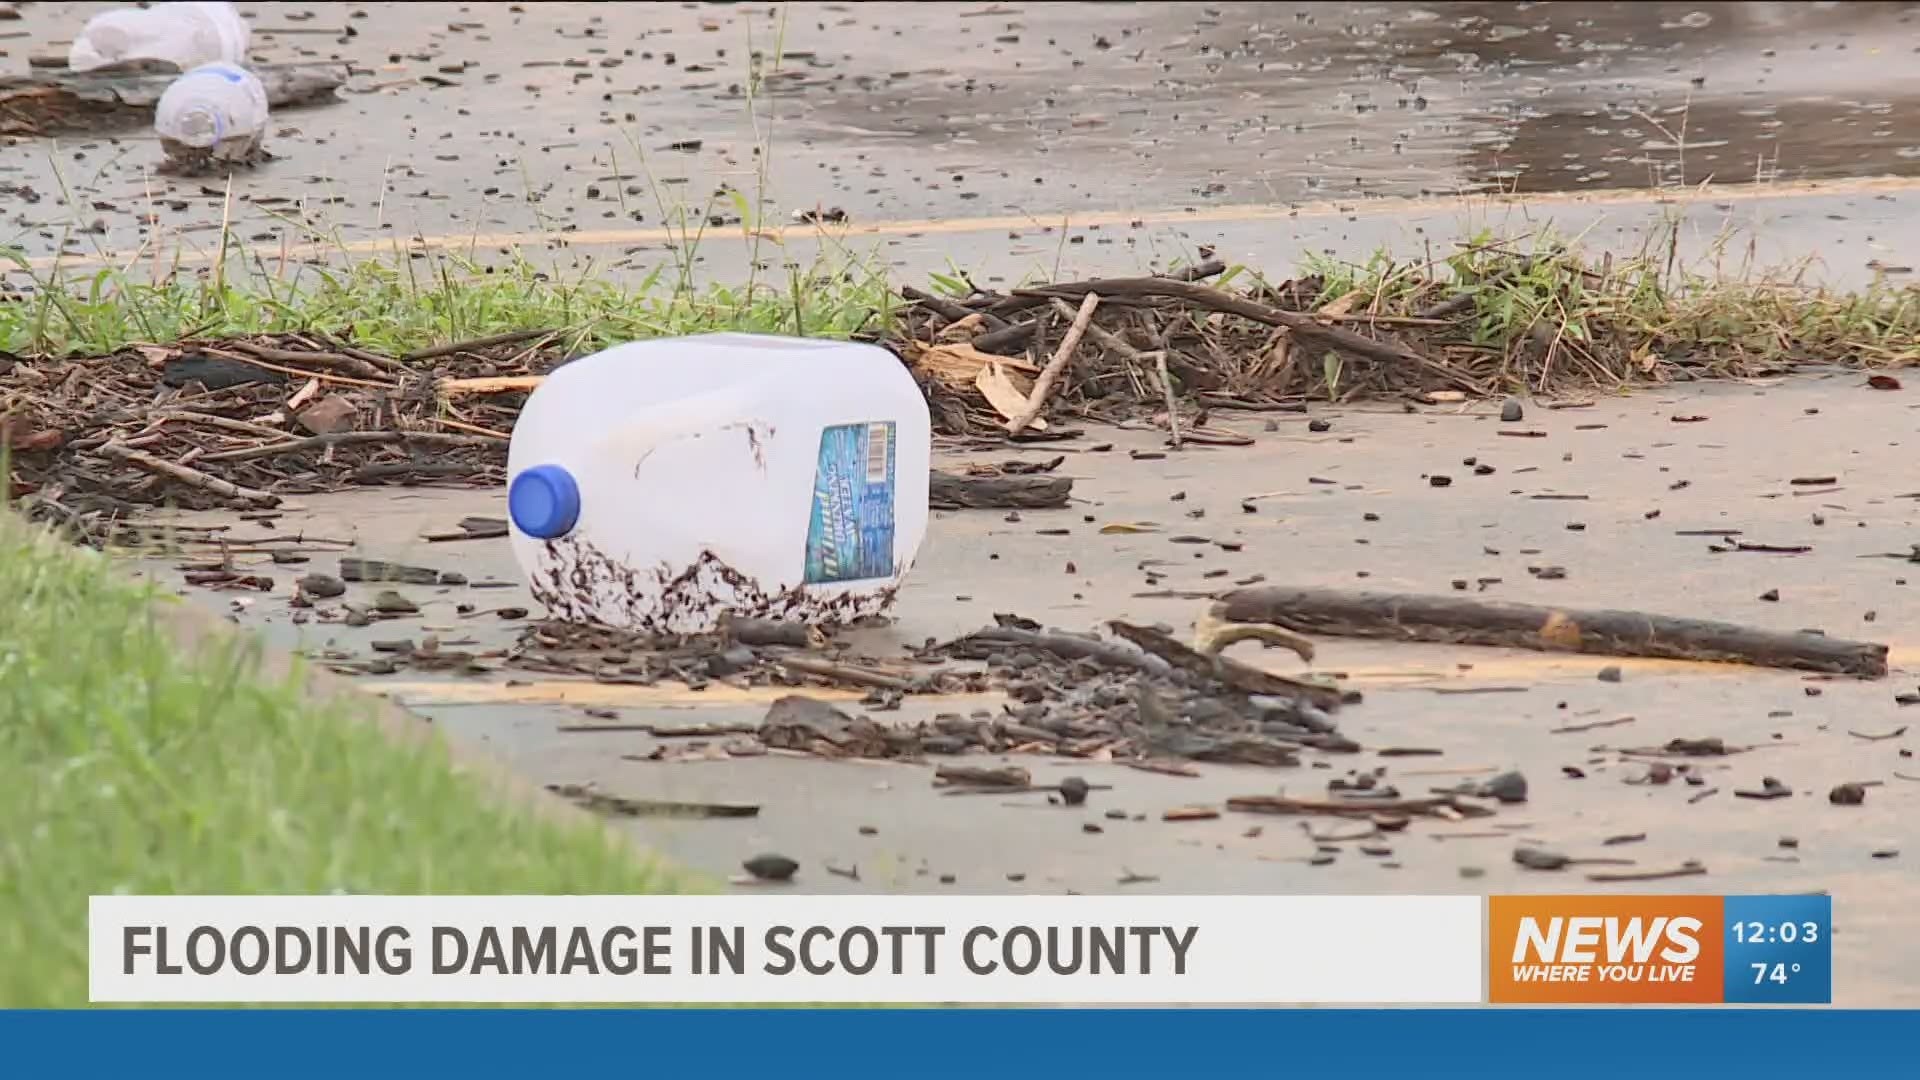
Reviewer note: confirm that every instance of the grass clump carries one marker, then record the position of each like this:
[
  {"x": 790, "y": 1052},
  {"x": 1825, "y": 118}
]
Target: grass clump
[
  {"x": 128, "y": 766},
  {"x": 1551, "y": 316}
]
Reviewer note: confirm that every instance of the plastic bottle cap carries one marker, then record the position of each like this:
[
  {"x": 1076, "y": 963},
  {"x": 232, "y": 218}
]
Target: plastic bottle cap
[{"x": 544, "y": 501}]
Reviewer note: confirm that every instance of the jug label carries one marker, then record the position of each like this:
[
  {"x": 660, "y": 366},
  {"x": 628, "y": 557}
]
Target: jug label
[{"x": 850, "y": 537}]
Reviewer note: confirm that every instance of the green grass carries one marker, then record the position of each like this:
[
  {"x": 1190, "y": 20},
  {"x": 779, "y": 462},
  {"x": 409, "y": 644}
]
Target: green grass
[
  {"x": 1550, "y": 314},
  {"x": 396, "y": 308},
  {"x": 127, "y": 766}
]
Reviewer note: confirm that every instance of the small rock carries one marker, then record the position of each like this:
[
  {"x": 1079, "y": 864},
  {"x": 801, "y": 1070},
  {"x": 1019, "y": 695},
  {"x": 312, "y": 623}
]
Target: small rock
[
  {"x": 1771, "y": 595},
  {"x": 1789, "y": 842},
  {"x": 357, "y": 618},
  {"x": 1439, "y": 481},
  {"x": 1508, "y": 787},
  {"x": 392, "y": 603},
  {"x": 1016, "y": 877},
  {"x": 1847, "y": 795},
  {"x": 1471, "y": 872},
  {"x": 1319, "y": 425},
  {"x": 869, "y": 830},
  {"x": 1610, "y": 673},
  {"x": 1116, "y": 815},
  {"x": 947, "y": 879},
  {"x": 1539, "y": 858},
  {"x": 771, "y": 867},
  {"x": 1073, "y": 791},
  {"x": 322, "y": 585},
  {"x": 1511, "y": 411},
  {"x": 452, "y": 577},
  {"x": 1091, "y": 827}
]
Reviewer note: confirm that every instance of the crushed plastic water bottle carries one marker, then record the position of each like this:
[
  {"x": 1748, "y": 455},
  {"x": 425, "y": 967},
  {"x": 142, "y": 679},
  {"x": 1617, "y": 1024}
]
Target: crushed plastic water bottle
[
  {"x": 186, "y": 35},
  {"x": 656, "y": 485},
  {"x": 214, "y": 113}
]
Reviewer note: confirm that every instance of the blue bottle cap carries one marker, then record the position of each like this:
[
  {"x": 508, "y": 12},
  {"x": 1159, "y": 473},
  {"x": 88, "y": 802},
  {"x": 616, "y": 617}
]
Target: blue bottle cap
[{"x": 544, "y": 502}]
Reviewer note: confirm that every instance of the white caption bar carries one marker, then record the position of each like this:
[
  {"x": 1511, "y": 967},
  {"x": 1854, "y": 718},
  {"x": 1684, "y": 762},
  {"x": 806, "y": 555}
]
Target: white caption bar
[{"x": 788, "y": 948}]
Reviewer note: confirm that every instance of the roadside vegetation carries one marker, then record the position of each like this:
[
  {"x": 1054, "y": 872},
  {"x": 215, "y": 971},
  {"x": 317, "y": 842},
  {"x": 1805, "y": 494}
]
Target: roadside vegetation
[
  {"x": 129, "y": 766},
  {"x": 1551, "y": 315},
  {"x": 1515, "y": 314},
  {"x": 417, "y": 304}
]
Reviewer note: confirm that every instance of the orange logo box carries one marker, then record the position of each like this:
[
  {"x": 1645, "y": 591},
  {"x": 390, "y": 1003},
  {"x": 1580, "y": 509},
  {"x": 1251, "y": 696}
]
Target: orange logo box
[{"x": 1605, "y": 950}]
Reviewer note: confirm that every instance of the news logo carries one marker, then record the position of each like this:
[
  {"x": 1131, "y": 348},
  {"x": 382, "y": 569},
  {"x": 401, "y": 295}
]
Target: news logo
[{"x": 1659, "y": 950}]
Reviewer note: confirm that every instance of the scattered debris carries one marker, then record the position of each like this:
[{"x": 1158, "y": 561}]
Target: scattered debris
[
  {"x": 771, "y": 867},
  {"x": 1850, "y": 794},
  {"x": 1770, "y": 788},
  {"x": 1463, "y": 620},
  {"x": 628, "y": 807}
]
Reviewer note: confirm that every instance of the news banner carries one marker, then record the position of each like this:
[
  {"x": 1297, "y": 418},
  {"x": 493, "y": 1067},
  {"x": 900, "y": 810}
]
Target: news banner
[
  {"x": 1218, "y": 950},
  {"x": 1107, "y": 986}
]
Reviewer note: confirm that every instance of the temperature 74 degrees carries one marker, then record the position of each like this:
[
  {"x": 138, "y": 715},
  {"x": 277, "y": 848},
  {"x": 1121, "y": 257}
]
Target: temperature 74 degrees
[{"x": 1778, "y": 973}]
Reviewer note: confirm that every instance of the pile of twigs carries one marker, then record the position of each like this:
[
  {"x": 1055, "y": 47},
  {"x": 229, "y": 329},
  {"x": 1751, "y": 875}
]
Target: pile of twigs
[
  {"x": 1106, "y": 350},
  {"x": 240, "y": 423}
]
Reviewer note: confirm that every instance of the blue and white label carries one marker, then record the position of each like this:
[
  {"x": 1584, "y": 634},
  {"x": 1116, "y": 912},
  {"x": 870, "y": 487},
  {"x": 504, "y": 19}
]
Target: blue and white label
[{"x": 850, "y": 534}]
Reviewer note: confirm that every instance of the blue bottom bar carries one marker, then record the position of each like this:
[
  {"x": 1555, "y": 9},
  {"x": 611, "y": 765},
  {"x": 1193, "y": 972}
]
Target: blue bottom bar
[{"x": 982, "y": 1044}]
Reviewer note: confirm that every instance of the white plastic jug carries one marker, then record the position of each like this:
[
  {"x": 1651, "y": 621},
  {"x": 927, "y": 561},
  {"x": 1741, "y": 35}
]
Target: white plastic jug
[
  {"x": 656, "y": 485},
  {"x": 214, "y": 107},
  {"x": 185, "y": 34}
]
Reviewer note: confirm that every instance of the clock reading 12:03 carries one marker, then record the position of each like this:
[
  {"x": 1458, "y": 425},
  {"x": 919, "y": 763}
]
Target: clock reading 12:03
[{"x": 1755, "y": 932}]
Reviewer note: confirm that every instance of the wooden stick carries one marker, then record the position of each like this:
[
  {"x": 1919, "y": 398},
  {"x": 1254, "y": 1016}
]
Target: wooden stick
[
  {"x": 1462, "y": 621},
  {"x": 474, "y": 428},
  {"x": 1225, "y": 670},
  {"x": 226, "y": 354},
  {"x": 326, "y": 361},
  {"x": 982, "y": 643},
  {"x": 226, "y": 422},
  {"x": 947, "y": 491},
  {"x": 476, "y": 343},
  {"x": 499, "y": 384},
  {"x": 190, "y": 477},
  {"x": 319, "y": 442},
  {"x": 843, "y": 673},
  {"x": 949, "y": 310},
  {"x": 1166, "y": 387},
  {"x": 1281, "y": 804},
  {"x": 1043, "y": 385}
]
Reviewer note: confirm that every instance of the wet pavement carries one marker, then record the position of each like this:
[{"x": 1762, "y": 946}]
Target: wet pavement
[
  {"x": 1015, "y": 139},
  {"x": 1627, "y": 480}
]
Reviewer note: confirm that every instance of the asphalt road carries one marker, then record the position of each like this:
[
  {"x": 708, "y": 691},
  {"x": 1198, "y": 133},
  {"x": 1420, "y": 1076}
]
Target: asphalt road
[
  {"x": 1017, "y": 139},
  {"x": 1484, "y": 710}
]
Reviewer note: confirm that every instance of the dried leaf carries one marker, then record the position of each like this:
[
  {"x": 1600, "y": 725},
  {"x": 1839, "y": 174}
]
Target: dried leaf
[
  {"x": 1000, "y": 391},
  {"x": 1121, "y": 528},
  {"x": 958, "y": 363},
  {"x": 1883, "y": 382},
  {"x": 1344, "y": 303},
  {"x": 1446, "y": 397}
]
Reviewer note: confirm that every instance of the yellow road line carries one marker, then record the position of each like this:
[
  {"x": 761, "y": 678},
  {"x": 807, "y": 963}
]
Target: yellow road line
[
  {"x": 1486, "y": 670},
  {"x": 1228, "y": 214},
  {"x": 610, "y": 695}
]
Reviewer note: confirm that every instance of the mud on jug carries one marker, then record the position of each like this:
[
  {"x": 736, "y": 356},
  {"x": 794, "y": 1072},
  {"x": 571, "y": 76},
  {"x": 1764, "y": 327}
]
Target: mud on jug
[{"x": 655, "y": 485}]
